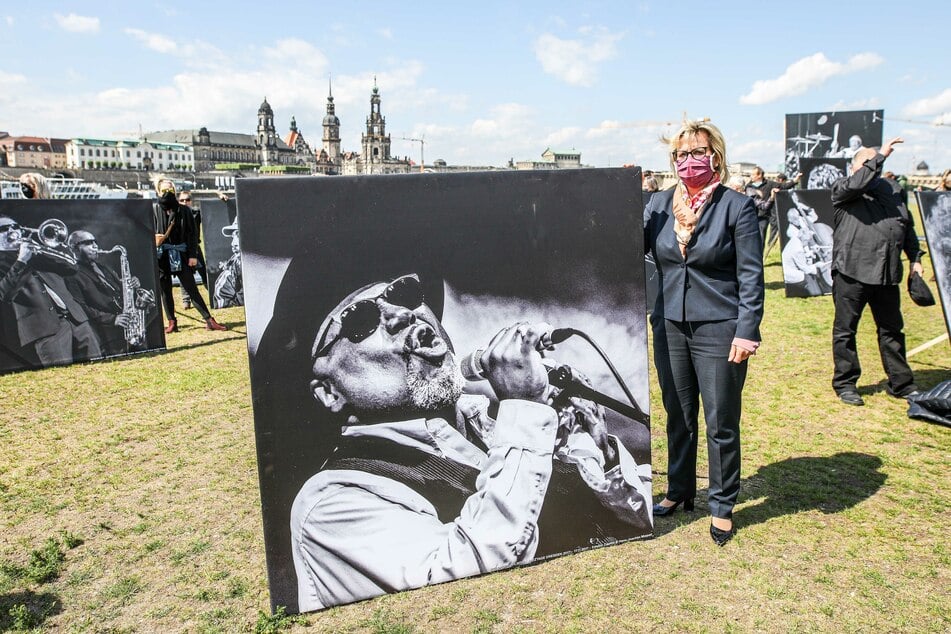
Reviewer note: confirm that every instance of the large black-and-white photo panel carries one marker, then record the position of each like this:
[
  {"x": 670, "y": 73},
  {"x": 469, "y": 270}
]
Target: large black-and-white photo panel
[
  {"x": 805, "y": 235},
  {"x": 820, "y": 173},
  {"x": 222, "y": 256},
  {"x": 78, "y": 281},
  {"x": 449, "y": 374},
  {"x": 830, "y": 135},
  {"x": 935, "y": 210}
]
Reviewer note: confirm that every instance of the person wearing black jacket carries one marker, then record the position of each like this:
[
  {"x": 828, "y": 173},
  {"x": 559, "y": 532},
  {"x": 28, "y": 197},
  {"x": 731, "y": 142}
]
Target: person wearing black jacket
[
  {"x": 872, "y": 228},
  {"x": 178, "y": 254},
  {"x": 41, "y": 324},
  {"x": 761, "y": 191}
]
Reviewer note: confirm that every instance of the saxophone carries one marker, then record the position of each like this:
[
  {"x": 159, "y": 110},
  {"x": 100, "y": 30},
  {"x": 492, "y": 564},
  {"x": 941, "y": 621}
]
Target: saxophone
[{"x": 135, "y": 331}]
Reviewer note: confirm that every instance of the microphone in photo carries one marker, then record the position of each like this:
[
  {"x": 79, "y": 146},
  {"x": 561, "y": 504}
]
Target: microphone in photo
[{"x": 471, "y": 364}]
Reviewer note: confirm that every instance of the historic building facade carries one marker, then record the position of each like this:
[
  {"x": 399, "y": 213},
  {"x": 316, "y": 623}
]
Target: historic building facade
[
  {"x": 374, "y": 156},
  {"x": 134, "y": 154},
  {"x": 33, "y": 151}
]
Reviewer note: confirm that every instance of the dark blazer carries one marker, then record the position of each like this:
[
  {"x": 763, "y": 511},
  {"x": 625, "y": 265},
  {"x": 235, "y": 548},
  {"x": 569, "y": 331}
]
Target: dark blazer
[
  {"x": 722, "y": 274},
  {"x": 872, "y": 226},
  {"x": 101, "y": 302},
  {"x": 27, "y": 312}
]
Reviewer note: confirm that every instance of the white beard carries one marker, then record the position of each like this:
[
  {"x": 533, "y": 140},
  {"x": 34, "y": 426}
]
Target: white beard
[{"x": 437, "y": 390}]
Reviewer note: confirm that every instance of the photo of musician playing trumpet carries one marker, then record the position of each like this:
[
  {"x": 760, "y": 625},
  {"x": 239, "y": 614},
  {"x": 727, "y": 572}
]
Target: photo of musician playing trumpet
[
  {"x": 806, "y": 239},
  {"x": 446, "y": 384},
  {"x": 61, "y": 300}
]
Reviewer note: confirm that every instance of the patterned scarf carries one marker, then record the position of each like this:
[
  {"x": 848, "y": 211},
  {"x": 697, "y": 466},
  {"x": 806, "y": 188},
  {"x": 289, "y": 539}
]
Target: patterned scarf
[{"x": 687, "y": 210}]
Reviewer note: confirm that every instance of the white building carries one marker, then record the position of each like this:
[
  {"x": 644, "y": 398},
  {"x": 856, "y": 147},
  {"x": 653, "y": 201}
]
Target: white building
[{"x": 133, "y": 154}]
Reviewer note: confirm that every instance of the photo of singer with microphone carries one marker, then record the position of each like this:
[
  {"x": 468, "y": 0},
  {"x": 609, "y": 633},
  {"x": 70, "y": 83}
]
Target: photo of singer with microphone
[
  {"x": 444, "y": 385},
  {"x": 425, "y": 485}
]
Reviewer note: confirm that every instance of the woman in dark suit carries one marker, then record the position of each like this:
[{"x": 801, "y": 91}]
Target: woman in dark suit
[{"x": 706, "y": 244}]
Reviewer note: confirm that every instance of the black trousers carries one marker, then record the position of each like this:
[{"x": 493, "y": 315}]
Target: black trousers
[
  {"x": 73, "y": 341},
  {"x": 186, "y": 278},
  {"x": 851, "y": 297},
  {"x": 692, "y": 365}
]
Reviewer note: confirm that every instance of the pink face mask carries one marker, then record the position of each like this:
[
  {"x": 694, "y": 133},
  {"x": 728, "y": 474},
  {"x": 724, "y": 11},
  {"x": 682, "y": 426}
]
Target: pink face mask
[{"x": 696, "y": 172}]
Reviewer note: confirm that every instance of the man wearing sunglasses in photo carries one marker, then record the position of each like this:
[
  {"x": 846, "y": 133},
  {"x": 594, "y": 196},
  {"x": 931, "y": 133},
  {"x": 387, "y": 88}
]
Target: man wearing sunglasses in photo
[
  {"x": 428, "y": 484},
  {"x": 41, "y": 323}
]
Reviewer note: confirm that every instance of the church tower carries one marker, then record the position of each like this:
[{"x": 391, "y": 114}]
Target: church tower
[
  {"x": 331, "y": 140},
  {"x": 266, "y": 139},
  {"x": 375, "y": 142}
]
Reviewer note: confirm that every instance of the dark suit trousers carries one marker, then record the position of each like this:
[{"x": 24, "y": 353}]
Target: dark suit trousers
[
  {"x": 851, "y": 297},
  {"x": 71, "y": 342},
  {"x": 692, "y": 366},
  {"x": 186, "y": 277}
]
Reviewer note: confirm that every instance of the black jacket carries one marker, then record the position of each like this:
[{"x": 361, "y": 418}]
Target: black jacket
[
  {"x": 722, "y": 275},
  {"x": 872, "y": 227},
  {"x": 184, "y": 231}
]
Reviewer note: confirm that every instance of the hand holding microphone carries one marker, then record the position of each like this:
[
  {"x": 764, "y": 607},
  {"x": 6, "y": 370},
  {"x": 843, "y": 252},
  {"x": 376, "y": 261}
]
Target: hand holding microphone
[{"x": 511, "y": 362}]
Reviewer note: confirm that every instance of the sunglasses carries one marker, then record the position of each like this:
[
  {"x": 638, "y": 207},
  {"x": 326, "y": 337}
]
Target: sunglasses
[
  {"x": 184, "y": 200},
  {"x": 360, "y": 319},
  {"x": 10, "y": 227}
]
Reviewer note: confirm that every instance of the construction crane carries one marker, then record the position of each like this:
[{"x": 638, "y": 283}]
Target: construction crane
[{"x": 422, "y": 147}]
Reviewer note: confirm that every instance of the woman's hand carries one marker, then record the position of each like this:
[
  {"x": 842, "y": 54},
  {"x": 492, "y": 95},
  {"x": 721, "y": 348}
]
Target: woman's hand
[{"x": 738, "y": 354}]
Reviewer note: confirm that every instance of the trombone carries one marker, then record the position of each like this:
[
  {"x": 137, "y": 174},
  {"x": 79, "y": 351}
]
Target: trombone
[{"x": 50, "y": 240}]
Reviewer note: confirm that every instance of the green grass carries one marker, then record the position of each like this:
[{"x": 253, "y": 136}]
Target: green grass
[{"x": 843, "y": 517}]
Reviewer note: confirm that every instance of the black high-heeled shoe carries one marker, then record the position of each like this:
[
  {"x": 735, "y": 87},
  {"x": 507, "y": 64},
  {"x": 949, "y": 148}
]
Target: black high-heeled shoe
[
  {"x": 663, "y": 511},
  {"x": 720, "y": 536}
]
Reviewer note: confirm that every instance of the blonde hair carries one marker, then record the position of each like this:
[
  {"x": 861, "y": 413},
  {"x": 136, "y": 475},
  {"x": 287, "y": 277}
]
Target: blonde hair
[
  {"x": 161, "y": 178},
  {"x": 41, "y": 189},
  {"x": 717, "y": 144}
]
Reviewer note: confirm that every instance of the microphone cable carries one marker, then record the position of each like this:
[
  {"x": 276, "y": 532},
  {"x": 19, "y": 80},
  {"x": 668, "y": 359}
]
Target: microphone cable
[{"x": 607, "y": 361}]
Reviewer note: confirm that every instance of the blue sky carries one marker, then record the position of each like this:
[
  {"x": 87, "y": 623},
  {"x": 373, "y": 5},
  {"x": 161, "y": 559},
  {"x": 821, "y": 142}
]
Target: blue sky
[{"x": 484, "y": 81}]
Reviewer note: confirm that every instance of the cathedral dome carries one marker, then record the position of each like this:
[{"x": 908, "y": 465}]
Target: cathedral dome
[
  {"x": 265, "y": 108},
  {"x": 331, "y": 119}
]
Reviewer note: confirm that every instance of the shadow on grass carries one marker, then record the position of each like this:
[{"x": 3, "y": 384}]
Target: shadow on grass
[
  {"x": 924, "y": 379},
  {"x": 830, "y": 484},
  {"x": 25, "y": 610},
  {"x": 775, "y": 286}
]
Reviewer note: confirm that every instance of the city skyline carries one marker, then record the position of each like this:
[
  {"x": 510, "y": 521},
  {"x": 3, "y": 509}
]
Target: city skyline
[{"x": 481, "y": 84}]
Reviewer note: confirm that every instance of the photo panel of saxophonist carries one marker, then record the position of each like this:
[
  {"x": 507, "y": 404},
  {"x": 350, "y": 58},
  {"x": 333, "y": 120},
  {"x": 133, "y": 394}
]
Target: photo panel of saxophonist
[
  {"x": 448, "y": 372},
  {"x": 837, "y": 135},
  {"x": 805, "y": 235},
  {"x": 935, "y": 210},
  {"x": 78, "y": 281},
  {"x": 222, "y": 254},
  {"x": 820, "y": 173}
]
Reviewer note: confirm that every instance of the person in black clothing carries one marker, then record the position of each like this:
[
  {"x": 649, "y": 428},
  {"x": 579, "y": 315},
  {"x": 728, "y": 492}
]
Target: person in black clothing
[
  {"x": 763, "y": 193},
  {"x": 41, "y": 324},
  {"x": 872, "y": 228},
  {"x": 185, "y": 200},
  {"x": 100, "y": 292},
  {"x": 178, "y": 254}
]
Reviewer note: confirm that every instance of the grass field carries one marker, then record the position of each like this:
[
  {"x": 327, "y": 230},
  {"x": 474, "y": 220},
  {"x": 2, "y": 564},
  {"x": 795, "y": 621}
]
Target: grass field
[{"x": 129, "y": 503}]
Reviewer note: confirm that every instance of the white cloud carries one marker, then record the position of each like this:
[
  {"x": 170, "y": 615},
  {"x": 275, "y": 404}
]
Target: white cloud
[
  {"x": 871, "y": 103},
  {"x": 576, "y": 61},
  {"x": 11, "y": 78},
  {"x": 77, "y": 23},
  {"x": 804, "y": 74},
  {"x": 8, "y": 19},
  {"x": 563, "y": 137},
  {"x": 938, "y": 104},
  {"x": 153, "y": 41},
  {"x": 386, "y": 33}
]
